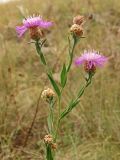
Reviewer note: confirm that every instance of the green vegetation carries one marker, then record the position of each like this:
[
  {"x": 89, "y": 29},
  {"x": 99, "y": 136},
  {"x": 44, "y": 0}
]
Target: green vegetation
[{"x": 92, "y": 130}]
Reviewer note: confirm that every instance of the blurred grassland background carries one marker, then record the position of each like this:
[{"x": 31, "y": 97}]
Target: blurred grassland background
[{"x": 92, "y": 130}]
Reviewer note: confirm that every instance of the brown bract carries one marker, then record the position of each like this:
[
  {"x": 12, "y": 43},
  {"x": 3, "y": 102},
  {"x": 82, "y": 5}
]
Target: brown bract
[
  {"x": 48, "y": 139},
  {"x": 78, "y": 20},
  {"x": 48, "y": 94},
  {"x": 36, "y": 33},
  {"x": 88, "y": 69},
  {"x": 77, "y": 30}
]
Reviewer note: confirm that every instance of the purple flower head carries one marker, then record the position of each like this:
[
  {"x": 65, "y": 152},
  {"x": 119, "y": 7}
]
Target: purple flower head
[
  {"x": 32, "y": 22},
  {"x": 91, "y": 60}
]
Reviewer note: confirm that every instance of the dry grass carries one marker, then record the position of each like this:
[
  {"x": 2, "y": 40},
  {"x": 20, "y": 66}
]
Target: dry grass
[{"x": 91, "y": 131}]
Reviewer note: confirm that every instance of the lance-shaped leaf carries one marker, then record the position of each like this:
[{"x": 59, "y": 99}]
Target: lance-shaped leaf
[
  {"x": 63, "y": 76},
  {"x": 54, "y": 84}
]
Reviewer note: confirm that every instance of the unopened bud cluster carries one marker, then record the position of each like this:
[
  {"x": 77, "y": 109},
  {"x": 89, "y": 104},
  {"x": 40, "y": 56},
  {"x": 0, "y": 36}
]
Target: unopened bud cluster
[
  {"x": 76, "y": 28},
  {"x": 48, "y": 139},
  {"x": 48, "y": 94}
]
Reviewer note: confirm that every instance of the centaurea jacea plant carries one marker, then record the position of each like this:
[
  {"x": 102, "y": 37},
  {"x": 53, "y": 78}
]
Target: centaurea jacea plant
[{"x": 90, "y": 60}]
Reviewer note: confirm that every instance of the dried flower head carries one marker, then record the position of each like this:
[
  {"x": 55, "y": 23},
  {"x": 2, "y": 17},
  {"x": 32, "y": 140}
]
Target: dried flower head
[
  {"x": 34, "y": 24},
  {"x": 48, "y": 94},
  {"x": 77, "y": 30},
  {"x": 91, "y": 60},
  {"x": 48, "y": 139},
  {"x": 78, "y": 20}
]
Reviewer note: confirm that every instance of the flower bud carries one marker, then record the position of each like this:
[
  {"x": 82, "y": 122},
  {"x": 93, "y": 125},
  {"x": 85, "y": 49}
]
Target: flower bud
[
  {"x": 48, "y": 94},
  {"x": 78, "y": 20},
  {"x": 77, "y": 30},
  {"x": 36, "y": 33},
  {"x": 48, "y": 139}
]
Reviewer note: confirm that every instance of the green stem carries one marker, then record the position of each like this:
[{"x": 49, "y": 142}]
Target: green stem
[
  {"x": 74, "y": 102},
  {"x": 57, "y": 128},
  {"x": 50, "y": 118},
  {"x": 59, "y": 98},
  {"x": 71, "y": 54},
  {"x": 82, "y": 90},
  {"x": 59, "y": 114},
  {"x": 59, "y": 105},
  {"x": 80, "y": 93},
  {"x": 58, "y": 121},
  {"x": 49, "y": 155},
  {"x": 39, "y": 51}
]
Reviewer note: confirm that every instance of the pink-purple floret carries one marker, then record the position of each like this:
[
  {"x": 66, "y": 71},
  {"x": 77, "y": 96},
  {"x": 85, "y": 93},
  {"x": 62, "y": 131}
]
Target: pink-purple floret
[
  {"x": 92, "y": 58},
  {"x": 32, "y": 22}
]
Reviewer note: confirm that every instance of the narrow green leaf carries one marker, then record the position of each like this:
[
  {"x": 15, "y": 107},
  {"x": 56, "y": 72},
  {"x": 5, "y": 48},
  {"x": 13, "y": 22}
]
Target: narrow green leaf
[
  {"x": 54, "y": 84},
  {"x": 63, "y": 76}
]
